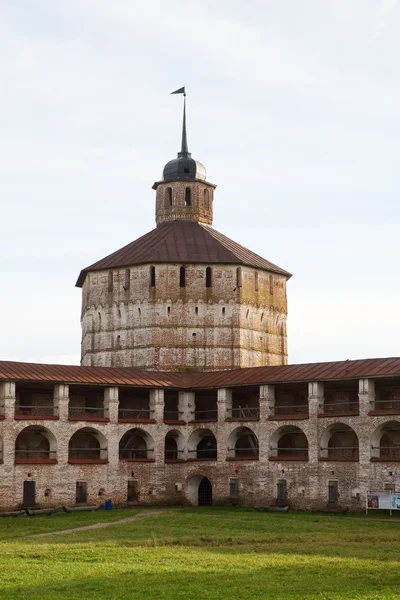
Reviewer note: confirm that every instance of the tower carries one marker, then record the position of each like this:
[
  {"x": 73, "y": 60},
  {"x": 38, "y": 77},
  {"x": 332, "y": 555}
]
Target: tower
[{"x": 183, "y": 296}]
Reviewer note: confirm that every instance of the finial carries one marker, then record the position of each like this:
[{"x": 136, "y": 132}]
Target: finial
[{"x": 184, "y": 153}]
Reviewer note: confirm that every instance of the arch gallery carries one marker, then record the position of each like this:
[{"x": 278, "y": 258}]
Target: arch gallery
[{"x": 184, "y": 394}]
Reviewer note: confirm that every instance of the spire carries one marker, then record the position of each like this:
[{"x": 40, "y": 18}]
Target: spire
[{"x": 184, "y": 153}]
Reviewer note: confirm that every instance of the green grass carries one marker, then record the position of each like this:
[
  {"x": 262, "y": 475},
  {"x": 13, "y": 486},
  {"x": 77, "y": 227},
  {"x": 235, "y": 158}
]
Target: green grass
[{"x": 201, "y": 554}]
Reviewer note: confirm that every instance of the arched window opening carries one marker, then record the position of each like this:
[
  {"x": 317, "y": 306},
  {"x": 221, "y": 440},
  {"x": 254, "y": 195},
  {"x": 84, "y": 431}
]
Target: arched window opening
[
  {"x": 168, "y": 197},
  {"x": 243, "y": 444},
  {"x": 35, "y": 444},
  {"x": 239, "y": 277},
  {"x": 152, "y": 277},
  {"x": 208, "y": 277},
  {"x": 188, "y": 197},
  {"x": 205, "y": 492},
  {"x": 110, "y": 281},
  {"x": 388, "y": 447},
  {"x": 206, "y": 200},
  {"x": 87, "y": 445},
  {"x": 171, "y": 447},
  {"x": 182, "y": 277},
  {"x": 289, "y": 443},
  {"x": 136, "y": 445},
  {"x": 339, "y": 442},
  {"x": 256, "y": 281}
]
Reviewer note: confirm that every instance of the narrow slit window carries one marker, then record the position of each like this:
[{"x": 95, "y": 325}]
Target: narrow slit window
[
  {"x": 168, "y": 310},
  {"x": 196, "y": 310},
  {"x": 140, "y": 312},
  {"x": 256, "y": 281},
  {"x": 206, "y": 200},
  {"x": 271, "y": 285},
  {"x": 208, "y": 277},
  {"x": 188, "y": 197},
  {"x": 223, "y": 311},
  {"x": 127, "y": 279},
  {"x": 152, "y": 276},
  {"x": 239, "y": 277},
  {"x": 182, "y": 277},
  {"x": 110, "y": 281},
  {"x": 168, "y": 197}
]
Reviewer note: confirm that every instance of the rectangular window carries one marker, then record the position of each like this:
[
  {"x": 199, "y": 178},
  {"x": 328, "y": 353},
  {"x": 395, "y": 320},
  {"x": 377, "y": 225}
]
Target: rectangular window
[
  {"x": 81, "y": 492},
  {"x": 152, "y": 276},
  {"x": 256, "y": 281},
  {"x": 239, "y": 277},
  {"x": 182, "y": 277},
  {"x": 234, "y": 489},
  {"x": 110, "y": 281},
  {"x": 271, "y": 285},
  {"x": 208, "y": 277},
  {"x": 127, "y": 279}
]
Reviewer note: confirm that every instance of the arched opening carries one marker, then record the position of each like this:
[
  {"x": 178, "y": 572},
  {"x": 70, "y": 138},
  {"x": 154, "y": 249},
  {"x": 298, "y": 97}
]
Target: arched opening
[
  {"x": 202, "y": 445},
  {"x": 206, "y": 200},
  {"x": 87, "y": 445},
  {"x": 188, "y": 197},
  {"x": 168, "y": 197},
  {"x": 386, "y": 442},
  {"x": 243, "y": 444},
  {"x": 35, "y": 444},
  {"x": 136, "y": 444},
  {"x": 208, "y": 277},
  {"x": 182, "y": 277},
  {"x": 339, "y": 442},
  {"x": 173, "y": 446},
  {"x": 289, "y": 443},
  {"x": 205, "y": 492}
]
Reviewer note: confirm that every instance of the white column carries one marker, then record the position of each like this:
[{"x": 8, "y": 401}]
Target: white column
[
  {"x": 315, "y": 398},
  {"x": 267, "y": 401},
  {"x": 7, "y": 399},
  {"x": 61, "y": 401},
  {"x": 111, "y": 403},
  {"x": 186, "y": 406},
  {"x": 224, "y": 403},
  {"x": 157, "y": 405},
  {"x": 366, "y": 395}
]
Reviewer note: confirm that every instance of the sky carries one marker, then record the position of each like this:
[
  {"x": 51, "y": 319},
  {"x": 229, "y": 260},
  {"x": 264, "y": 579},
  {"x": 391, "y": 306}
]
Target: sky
[{"x": 293, "y": 106}]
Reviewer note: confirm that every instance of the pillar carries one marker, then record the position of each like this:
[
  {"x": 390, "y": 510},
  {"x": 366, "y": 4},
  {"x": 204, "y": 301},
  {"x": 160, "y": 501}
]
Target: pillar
[
  {"x": 111, "y": 403},
  {"x": 366, "y": 396}
]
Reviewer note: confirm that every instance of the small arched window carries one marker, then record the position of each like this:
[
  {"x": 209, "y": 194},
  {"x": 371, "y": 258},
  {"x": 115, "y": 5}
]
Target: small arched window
[
  {"x": 152, "y": 276},
  {"x": 256, "y": 281},
  {"x": 110, "y": 281},
  {"x": 239, "y": 277},
  {"x": 182, "y": 277},
  {"x": 188, "y": 197},
  {"x": 208, "y": 277},
  {"x": 206, "y": 200},
  {"x": 168, "y": 197}
]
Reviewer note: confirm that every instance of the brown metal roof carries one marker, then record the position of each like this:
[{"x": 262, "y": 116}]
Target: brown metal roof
[
  {"x": 348, "y": 369},
  {"x": 182, "y": 242}
]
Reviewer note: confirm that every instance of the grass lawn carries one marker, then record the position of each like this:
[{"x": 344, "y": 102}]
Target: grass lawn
[{"x": 196, "y": 554}]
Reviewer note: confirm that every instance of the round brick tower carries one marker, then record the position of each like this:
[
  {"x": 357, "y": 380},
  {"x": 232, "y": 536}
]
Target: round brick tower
[{"x": 183, "y": 296}]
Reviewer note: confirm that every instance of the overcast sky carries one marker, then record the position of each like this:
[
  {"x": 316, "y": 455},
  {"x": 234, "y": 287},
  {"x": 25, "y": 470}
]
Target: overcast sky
[{"x": 293, "y": 106}]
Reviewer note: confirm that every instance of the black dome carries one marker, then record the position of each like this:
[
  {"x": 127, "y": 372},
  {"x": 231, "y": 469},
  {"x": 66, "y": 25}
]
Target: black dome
[{"x": 184, "y": 167}]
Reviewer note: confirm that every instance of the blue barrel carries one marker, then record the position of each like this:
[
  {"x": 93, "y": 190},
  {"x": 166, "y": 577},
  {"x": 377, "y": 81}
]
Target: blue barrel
[{"x": 108, "y": 505}]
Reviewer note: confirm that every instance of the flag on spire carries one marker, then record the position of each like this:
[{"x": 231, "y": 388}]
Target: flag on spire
[{"x": 180, "y": 91}]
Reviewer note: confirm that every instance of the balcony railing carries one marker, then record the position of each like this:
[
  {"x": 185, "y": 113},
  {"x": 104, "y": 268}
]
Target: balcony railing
[
  {"x": 340, "y": 408},
  {"x": 84, "y": 412},
  {"x": 205, "y": 454},
  {"x": 86, "y": 453},
  {"x": 293, "y": 409},
  {"x": 392, "y": 406},
  {"x": 135, "y": 453},
  {"x": 35, "y": 454},
  {"x": 33, "y": 410},
  {"x": 388, "y": 452},
  {"x": 245, "y": 413},
  {"x": 173, "y": 454},
  {"x": 211, "y": 414},
  {"x": 340, "y": 453},
  {"x": 249, "y": 452},
  {"x": 173, "y": 415},
  {"x": 135, "y": 413},
  {"x": 290, "y": 453}
]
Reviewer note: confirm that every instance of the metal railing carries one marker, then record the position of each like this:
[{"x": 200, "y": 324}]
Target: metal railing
[
  {"x": 340, "y": 452},
  {"x": 211, "y": 414},
  {"x": 387, "y": 405},
  {"x": 173, "y": 415},
  {"x": 289, "y": 452},
  {"x": 86, "y": 411},
  {"x": 245, "y": 412},
  {"x": 337, "y": 408},
  {"x": 250, "y": 452},
  {"x": 135, "y": 453},
  {"x": 43, "y": 410},
  {"x": 35, "y": 453},
  {"x": 388, "y": 452},
  {"x": 86, "y": 453},
  {"x": 135, "y": 413},
  {"x": 173, "y": 454},
  {"x": 293, "y": 409},
  {"x": 204, "y": 453}
]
